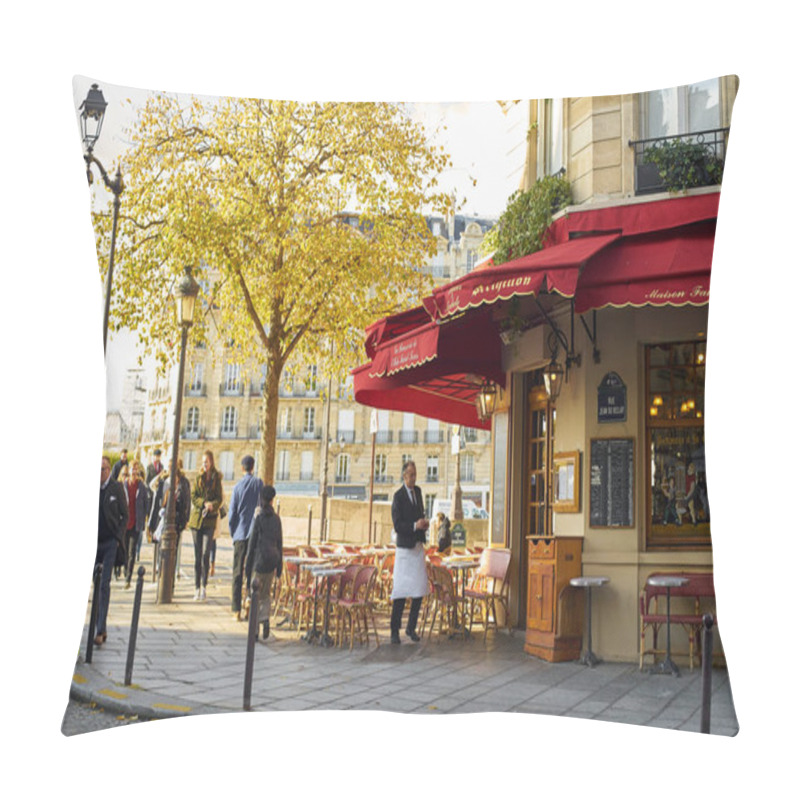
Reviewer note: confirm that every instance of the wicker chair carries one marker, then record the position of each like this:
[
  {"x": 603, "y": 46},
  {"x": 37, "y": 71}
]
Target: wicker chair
[
  {"x": 489, "y": 586},
  {"x": 358, "y": 607},
  {"x": 443, "y": 601}
]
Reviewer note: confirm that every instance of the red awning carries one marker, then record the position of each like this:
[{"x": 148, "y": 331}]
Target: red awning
[
  {"x": 431, "y": 359},
  {"x": 662, "y": 269},
  {"x": 435, "y": 370},
  {"x": 554, "y": 269}
]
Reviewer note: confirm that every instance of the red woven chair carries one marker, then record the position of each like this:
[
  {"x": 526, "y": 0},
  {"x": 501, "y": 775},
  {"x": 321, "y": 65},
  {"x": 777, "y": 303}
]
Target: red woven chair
[
  {"x": 489, "y": 586},
  {"x": 358, "y": 607}
]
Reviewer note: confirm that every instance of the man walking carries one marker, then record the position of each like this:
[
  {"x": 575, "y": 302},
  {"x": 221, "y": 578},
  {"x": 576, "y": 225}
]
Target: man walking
[
  {"x": 244, "y": 500},
  {"x": 410, "y": 575},
  {"x": 118, "y": 467},
  {"x": 155, "y": 468},
  {"x": 112, "y": 521}
]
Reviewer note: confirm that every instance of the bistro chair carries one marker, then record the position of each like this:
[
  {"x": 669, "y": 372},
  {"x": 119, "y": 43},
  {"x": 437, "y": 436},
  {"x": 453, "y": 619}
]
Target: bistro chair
[
  {"x": 342, "y": 589},
  {"x": 489, "y": 586},
  {"x": 358, "y": 607},
  {"x": 443, "y": 601}
]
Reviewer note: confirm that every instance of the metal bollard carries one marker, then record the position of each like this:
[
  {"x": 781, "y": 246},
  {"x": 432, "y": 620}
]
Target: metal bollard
[
  {"x": 155, "y": 561},
  {"x": 98, "y": 571},
  {"x": 708, "y": 641},
  {"x": 309, "y": 524},
  {"x": 137, "y": 604},
  {"x": 252, "y": 635}
]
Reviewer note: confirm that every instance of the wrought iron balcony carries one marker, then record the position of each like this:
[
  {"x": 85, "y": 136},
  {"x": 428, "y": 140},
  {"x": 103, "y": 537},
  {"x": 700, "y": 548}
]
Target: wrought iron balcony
[
  {"x": 647, "y": 179},
  {"x": 231, "y": 389},
  {"x": 383, "y": 437},
  {"x": 282, "y": 476},
  {"x": 348, "y": 437},
  {"x": 384, "y": 479},
  {"x": 431, "y": 478},
  {"x": 315, "y": 434},
  {"x": 409, "y": 437},
  {"x": 195, "y": 390},
  {"x": 434, "y": 437},
  {"x": 342, "y": 479},
  {"x": 193, "y": 433}
]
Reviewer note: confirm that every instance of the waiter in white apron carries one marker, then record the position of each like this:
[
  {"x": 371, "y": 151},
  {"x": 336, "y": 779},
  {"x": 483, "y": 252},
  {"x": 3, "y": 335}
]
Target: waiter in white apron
[{"x": 410, "y": 578}]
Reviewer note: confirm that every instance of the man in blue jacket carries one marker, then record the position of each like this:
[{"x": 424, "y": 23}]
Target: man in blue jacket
[{"x": 240, "y": 517}]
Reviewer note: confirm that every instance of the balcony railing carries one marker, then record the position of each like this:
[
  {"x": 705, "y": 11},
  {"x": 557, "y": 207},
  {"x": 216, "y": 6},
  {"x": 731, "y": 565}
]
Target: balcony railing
[
  {"x": 434, "y": 437},
  {"x": 229, "y": 432},
  {"x": 383, "y": 437},
  {"x": 647, "y": 180},
  {"x": 306, "y": 476},
  {"x": 193, "y": 433},
  {"x": 409, "y": 437},
  {"x": 195, "y": 390},
  {"x": 431, "y": 478},
  {"x": 231, "y": 389},
  {"x": 281, "y": 476},
  {"x": 342, "y": 479},
  {"x": 346, "y": 436},
  {"x": 384, "y": 479},
  {"x": 285, "y": 435},
  {"x": 256, "y": 388},
  {"x": 315, "y": 434}
]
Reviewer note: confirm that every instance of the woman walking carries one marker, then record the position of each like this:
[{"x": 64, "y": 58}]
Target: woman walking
[
  {"x": 206, "y": 500},
  {"x": 265, "y": 553},
  {"x": 136, "y": 497}
]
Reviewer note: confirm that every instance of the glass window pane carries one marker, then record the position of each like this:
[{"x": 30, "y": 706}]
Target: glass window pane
[{"x": 704, "y": 109}]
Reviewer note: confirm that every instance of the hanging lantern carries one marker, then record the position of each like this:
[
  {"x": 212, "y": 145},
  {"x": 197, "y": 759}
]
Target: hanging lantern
[{"x": 553, "y": 378}]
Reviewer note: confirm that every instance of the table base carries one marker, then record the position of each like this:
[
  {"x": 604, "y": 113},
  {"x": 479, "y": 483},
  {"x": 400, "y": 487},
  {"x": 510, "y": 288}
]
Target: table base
[{"x": 666, "y": 667}]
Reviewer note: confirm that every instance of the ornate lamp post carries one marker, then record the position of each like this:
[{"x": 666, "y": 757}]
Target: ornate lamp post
[
  {"x": 458, "y": 507},
  {"x": 185, "y": 295},
  {"x": 93, "y": 110}
]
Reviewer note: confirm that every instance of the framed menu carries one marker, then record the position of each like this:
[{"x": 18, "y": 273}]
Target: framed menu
[{"x": 611, "y": 464}]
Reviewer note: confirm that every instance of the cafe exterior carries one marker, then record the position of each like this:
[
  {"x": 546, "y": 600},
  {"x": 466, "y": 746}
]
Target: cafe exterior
[{"x": 586, "y": 360}]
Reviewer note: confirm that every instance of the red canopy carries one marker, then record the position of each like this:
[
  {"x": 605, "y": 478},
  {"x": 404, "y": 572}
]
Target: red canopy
[{"x": 432, "y": 358}]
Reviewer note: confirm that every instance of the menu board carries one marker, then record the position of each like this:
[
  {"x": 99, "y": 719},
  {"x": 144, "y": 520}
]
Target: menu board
[{"x": 611, "y": 483}]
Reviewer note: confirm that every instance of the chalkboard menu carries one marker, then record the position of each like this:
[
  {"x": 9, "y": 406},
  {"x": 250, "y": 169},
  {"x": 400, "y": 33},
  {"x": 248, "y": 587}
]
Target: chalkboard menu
[{"x": 611, "y": 483}]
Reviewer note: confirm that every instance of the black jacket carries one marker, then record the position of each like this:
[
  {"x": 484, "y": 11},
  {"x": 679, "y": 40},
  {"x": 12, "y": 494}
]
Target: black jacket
[
  {"x": 265, "y": 545},
  {"x": 404, "y": 515},
  {"x": 114, "y": 511}
]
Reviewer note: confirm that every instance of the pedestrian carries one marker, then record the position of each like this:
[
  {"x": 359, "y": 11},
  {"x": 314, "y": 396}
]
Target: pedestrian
[
  {"x": 410, "y": 577},
  {"x": 112, "y": 521},
  {"x": 136, "y": 499},
  {"x": 140, "y": 470},
  {"x": 206, "y": 500},
  {"x": 264, "y": 554},
  {"x": 244, "y": 501},
  {"x": 444, "y": 541},
  {"x": 155, "y": 468},
  {"x": 183, "y": 505},
  {"x": 123, "y": 462}
]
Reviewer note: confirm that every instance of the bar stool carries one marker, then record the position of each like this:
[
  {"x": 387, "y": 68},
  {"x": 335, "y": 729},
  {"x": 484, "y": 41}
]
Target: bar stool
[
  {"x": 668, "y": 582},
  {"x": 587, "y": 582}
]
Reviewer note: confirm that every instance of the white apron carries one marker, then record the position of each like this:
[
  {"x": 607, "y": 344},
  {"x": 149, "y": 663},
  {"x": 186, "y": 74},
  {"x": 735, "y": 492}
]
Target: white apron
[{"x": 410, "y": 577}]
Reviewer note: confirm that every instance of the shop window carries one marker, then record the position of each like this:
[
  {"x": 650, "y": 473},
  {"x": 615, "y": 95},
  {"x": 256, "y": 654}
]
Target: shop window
[
  {"x": 540, "y": 425},
  {"x": 677, "y": 513}
]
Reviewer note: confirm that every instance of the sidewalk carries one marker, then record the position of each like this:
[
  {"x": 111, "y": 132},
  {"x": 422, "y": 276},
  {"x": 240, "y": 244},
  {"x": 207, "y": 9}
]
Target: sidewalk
[{"x": 190, "y": 659}]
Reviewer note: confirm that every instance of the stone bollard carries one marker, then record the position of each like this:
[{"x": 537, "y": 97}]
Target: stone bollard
[
  {"x": 708, "y": 642},
  {"x": 137, "y": 604},
  {"x": 98, "y": 571},
  {"x": 252, "y": 635}
]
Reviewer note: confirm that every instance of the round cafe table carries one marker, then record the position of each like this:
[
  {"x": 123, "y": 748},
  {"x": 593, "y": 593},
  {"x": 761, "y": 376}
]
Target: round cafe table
[
  {"x": 327, "y": 573},
  {"x": 667, "y": 582},
  {"x": 587, "y": 582}
]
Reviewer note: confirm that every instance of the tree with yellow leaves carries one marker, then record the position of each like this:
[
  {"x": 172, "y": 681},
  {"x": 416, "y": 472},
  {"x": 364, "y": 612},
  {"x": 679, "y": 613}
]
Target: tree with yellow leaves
[{"x": 303, "y": 222}]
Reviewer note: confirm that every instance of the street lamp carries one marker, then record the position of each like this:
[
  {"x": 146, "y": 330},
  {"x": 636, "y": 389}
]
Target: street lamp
[
  {"x": 185, "y": 294},
  {"x": 93, "y": 111},
  {"x": 458, "y": 507}
]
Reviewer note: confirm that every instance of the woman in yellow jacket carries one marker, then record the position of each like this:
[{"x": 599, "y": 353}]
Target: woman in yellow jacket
[{"x": 206, "y": 500}]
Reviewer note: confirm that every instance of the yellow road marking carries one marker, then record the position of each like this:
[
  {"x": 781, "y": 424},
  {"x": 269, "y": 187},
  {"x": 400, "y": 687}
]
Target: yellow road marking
[{"x": 172, "y": 708}]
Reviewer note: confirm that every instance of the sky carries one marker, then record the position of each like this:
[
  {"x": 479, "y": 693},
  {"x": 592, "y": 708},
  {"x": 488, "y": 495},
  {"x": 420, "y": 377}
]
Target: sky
[
  {"x": 485, "y": 143},
  {"x": 55, "y": 398}
]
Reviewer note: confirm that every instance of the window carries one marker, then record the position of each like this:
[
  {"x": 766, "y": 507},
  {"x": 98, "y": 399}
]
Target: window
[
  {"x": 540, "y": 425},
  {"x": 284, "y": 464},
  {"x": 197, "y": 378},
  {"x": 189, "y": 461},
  {"x": 343, "y": 468},
  {"x": 311, "y": 379},
  {"x": 406, "y": 458},
  {"x": 226, "y": 464},
  {"x": 429, "y": 501},
  {"x": 308, "y": 421},
  {"x": 683, "y": 109},
  {"x": 433, "y": 435},
  {"x": 381, "y": 463},
  {"x": 193, "y": 421},
  {"x": 678, "y": 513},
  {"x": 345, "y": 429},
  {"x": 306, "y": 465},
  {"x": 231, "y": 377},
  {"x": 229, "y": 419},
  {"x": 432, "y": 474},
  {"x": 554, "y": 136},
  {"x": 286, "y": 422},
  {"x": 467, "y": 467},
  {"x": 472, "y": 259}
]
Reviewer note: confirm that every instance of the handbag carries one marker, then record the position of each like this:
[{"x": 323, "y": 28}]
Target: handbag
[
  {"x": 121, "y": 556},
  {"x": 222, "y": 511}
]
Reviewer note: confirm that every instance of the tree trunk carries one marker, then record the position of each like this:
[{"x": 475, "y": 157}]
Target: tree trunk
[{"x": 269, "y": 418}]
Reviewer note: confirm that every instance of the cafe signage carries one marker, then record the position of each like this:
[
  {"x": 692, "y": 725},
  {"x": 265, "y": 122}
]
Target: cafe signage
[{"x": 612, "y": 399}]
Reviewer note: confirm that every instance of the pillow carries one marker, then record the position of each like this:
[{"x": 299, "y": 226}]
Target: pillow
[{"x": 282, "y": 231}]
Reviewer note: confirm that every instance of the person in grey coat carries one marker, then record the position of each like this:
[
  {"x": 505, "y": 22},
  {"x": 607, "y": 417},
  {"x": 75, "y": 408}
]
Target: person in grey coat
[{"x": 265, "y": 553}]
